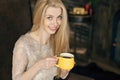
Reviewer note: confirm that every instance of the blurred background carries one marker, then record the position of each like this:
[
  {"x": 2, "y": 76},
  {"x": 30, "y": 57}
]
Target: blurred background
[{"x": 95, "y": 32}]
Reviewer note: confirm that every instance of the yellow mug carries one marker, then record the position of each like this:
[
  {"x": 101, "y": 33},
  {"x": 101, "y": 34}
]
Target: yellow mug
[{"x": 66, "y": 61}]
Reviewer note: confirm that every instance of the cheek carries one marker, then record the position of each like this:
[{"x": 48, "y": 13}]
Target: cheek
[
  {"x": 46, "y": 22},
  {"x": 59, "y": 22}
]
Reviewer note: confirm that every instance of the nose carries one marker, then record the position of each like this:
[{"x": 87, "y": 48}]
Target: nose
[{"x": 55, "y": 22}]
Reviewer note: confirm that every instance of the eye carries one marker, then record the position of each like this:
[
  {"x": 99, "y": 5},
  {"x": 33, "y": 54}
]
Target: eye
[
  {"x": 49, "y": 18},
  {"x": 60, "y": 17}
]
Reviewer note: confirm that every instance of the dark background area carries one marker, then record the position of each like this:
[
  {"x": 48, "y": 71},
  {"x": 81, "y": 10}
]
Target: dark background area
[{"x": 15, "y": 20}]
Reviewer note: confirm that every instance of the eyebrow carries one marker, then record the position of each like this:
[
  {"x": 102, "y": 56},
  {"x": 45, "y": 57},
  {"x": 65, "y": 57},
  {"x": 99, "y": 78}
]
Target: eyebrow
[{"x": 52, "y": 15}]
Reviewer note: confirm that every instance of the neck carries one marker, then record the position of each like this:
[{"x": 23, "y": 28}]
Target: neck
[{"x": 41, "y": 36}]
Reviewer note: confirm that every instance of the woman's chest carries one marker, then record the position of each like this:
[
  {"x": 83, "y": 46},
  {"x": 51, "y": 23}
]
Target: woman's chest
[{"x": 36, "y": 53}]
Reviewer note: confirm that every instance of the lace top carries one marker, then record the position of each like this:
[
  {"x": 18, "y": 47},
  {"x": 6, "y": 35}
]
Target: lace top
[{"x": 27, "y": 46}]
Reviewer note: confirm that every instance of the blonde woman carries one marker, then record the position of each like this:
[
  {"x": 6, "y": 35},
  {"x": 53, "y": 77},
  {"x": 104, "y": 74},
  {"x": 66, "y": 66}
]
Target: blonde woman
[{"x": 34, "y": 54}]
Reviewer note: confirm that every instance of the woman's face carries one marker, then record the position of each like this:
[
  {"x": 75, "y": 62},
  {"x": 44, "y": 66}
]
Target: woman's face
[{"x": 52, "y": 20}]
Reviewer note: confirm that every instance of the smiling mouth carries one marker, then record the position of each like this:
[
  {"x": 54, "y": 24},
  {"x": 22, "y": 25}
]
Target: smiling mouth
[{"x": 53, "y": 28}]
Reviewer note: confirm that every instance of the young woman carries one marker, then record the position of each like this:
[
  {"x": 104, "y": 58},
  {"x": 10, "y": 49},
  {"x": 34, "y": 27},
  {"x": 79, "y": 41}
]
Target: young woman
[{"x": 34, "y": 54}]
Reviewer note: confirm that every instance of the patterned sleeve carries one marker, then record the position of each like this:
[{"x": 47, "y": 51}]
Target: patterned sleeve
[{"x": 20, "y": 61}]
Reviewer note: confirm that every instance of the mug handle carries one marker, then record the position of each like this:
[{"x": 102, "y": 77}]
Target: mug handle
[{"x": 57, "y": 63}]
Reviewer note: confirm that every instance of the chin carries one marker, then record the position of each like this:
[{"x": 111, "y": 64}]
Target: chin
[{"x": 52, "y": 32}]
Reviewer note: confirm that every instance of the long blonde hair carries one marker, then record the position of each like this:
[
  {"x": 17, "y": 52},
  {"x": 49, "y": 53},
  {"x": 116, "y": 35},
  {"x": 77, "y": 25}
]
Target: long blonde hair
[{"x": 59, "y": 40}]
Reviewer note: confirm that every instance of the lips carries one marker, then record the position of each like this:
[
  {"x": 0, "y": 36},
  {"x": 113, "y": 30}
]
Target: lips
[{"x": 53, "y": 28}]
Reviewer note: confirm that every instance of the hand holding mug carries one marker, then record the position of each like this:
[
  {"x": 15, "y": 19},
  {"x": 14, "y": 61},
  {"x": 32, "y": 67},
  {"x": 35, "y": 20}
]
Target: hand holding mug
[{"x": 48, "y": 62}]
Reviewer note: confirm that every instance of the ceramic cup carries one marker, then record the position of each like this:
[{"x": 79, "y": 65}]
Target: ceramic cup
[{"x": 66, "y": 61}]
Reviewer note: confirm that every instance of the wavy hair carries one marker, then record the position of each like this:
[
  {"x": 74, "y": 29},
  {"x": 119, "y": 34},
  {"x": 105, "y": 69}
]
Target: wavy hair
[{"x": 59, "y": 40}]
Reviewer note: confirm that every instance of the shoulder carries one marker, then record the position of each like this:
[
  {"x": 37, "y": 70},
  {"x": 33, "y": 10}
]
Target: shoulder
[
  {"x": 23, "y": 39},
  {"x": 21, "y": 42}
]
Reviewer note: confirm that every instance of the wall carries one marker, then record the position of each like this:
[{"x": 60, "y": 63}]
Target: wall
[
  {"x": 102, "y": 37},
  {"x": 14, "y": 20}
]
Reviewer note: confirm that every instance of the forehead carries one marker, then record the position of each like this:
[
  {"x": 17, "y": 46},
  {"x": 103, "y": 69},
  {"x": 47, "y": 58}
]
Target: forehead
[{"x": 53, "y": 11}]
